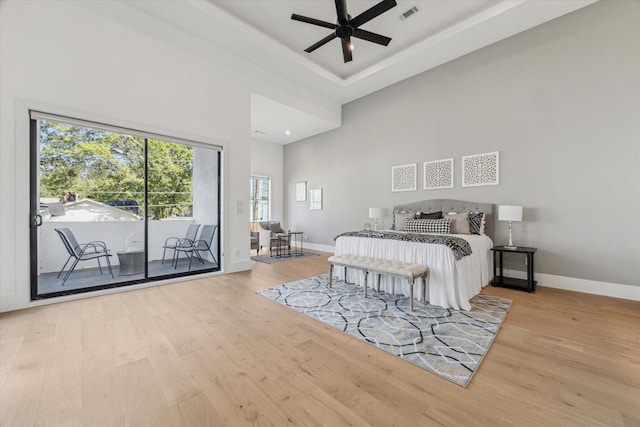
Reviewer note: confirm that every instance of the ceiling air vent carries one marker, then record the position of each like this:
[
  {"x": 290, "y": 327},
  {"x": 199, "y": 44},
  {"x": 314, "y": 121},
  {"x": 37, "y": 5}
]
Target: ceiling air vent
[{"x": 408, "y": 13}]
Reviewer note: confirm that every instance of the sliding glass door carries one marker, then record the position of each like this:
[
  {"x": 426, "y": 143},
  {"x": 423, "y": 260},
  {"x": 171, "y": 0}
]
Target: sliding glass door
[
  {"x": 183, "y": 208},
  {"x": 111, "y": 207}
]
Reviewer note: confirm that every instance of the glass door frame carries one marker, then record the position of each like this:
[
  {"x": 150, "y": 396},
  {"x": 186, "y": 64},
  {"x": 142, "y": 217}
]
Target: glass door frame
[{"x": 35, "y": 219}]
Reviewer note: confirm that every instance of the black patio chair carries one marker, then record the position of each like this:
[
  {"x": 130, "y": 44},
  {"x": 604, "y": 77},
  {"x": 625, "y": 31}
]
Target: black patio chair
[
  {"x": 82, "y": 252},
  {"x": 174, "y": 242},
  {"x": 203, "y": 244}
]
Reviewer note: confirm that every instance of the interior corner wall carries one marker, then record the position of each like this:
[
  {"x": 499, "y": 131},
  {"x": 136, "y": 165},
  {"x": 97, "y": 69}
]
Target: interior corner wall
[
  {"x": 560, "y": 102},
  {"x": 61, "y": 58},
  {"x": 267, "y": 160}
]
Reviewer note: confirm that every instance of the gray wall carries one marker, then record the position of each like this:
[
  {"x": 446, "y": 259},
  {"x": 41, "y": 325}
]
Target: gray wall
[{"x": 561, "y": 102}]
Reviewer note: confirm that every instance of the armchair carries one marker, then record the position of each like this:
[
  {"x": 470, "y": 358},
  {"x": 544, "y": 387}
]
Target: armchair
[
  {"x": 267, "y": 233},
  {"x": 173, "y": 243},
  {"x": 203, "y": 244},
  {"x": 82, "y": 252},
  {"x": 266, "y": 230}
]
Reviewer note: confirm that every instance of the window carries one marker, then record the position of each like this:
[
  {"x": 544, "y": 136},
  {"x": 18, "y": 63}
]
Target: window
[{"x": 260, "y": 198}]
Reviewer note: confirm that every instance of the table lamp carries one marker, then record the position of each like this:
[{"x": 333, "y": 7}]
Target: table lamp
[
  {"x": 510, "y": 213},
  {"x": 375, "y": 213}
]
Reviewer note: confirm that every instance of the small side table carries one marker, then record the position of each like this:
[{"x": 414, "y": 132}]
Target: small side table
[
  {"x": 296, "y": 243},
  {"x": 529, "y": 284},
  {"x": 131, "y": 262},
  {"x": 281, "y": 245}
]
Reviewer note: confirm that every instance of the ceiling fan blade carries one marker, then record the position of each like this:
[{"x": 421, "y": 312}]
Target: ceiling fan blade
[
  {"x": 313, "y": 21},
  {"x": 371, "y": 37},
  {"x": 341, "y": 12},
  {"x": 372, "y": 12},
  {"x": 321, "y": 43},
  {"x": 346, "y": 49}
]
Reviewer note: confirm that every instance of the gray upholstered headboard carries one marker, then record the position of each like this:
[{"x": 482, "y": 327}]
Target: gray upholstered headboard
[{"x": 448, "y": 205}]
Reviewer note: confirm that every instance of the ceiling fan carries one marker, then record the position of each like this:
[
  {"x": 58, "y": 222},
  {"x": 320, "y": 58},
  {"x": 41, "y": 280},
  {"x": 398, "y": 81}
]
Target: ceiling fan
[{"x": 348, "y": 27}]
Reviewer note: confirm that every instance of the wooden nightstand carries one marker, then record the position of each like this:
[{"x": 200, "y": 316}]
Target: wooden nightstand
[{"x": 529, "y": 284}]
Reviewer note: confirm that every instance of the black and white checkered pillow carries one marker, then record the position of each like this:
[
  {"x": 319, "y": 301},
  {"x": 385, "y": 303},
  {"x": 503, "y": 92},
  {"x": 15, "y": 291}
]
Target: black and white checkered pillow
[
  {"x": 439, "y": 226},
  {"x": 476, "y": 222}
]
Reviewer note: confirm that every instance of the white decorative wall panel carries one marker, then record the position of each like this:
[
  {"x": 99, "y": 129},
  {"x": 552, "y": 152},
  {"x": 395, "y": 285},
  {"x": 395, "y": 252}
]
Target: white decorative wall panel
[
  {"x": 438, "y": 174},
  {"x": 481, "y": 169},
  {"x": 404, "y": 177}
]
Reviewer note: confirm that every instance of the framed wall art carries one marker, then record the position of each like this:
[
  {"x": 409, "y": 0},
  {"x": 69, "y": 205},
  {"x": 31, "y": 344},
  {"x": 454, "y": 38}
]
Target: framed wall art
[
  {"x": 315, "y": 197},
  {"x": 438, "y": 174},
  {"x": 481, "y": 169},
  {"x": 301, "y": 191},
  {"x": 404, "y": 177}
]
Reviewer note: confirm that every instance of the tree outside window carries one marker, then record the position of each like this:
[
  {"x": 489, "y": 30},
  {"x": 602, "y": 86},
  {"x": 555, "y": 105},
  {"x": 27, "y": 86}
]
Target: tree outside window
[{"x": 108, "y": 167}]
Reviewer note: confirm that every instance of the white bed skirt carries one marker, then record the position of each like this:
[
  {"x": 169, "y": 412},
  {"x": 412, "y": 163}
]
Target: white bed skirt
[{"x": 450, "y": 284}]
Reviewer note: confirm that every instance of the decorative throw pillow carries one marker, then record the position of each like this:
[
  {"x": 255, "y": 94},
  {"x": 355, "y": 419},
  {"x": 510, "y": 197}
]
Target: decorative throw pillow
[
  {"x": 459, "y": 222},
  {"x": 440, "y": 226},
  {"x": 275, "y": 227},
  {"x": 399, "y": 219},
  {"x": 476, "y": 222},
  {"x": 431, "y": 215}
]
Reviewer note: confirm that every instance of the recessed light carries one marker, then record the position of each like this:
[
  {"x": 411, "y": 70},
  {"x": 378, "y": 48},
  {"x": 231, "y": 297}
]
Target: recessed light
[{"x": 286, "y": 132}]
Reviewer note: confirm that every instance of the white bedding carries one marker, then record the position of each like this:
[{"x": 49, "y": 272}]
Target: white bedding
[{"x": 450, "y": 284}]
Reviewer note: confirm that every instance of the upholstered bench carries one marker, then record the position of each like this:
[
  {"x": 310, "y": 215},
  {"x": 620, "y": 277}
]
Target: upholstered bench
[{"x": 378, "y": 266}]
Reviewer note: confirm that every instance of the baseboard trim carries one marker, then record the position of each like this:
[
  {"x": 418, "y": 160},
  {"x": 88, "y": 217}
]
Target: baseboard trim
[
  {"x": 318, "y": 247},
  {"x": 615, "y": 290},
  {"x": 595, "y": 287}
]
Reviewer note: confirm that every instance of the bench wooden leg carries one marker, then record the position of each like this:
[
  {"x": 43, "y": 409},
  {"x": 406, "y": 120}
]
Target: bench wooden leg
[
  {"x": 366, "y": 274},
  {"x": 411, "y": 282},
  {"x": 330, "y": 273},
  {"x": 424, "y": 288}
]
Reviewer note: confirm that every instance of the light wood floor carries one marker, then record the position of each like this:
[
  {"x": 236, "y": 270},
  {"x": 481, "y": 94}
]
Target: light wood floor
[{"x": 210, "y": 352}]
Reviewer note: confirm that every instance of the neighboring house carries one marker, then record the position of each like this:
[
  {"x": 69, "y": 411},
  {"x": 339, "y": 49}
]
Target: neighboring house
[{"x": 88, "y": 210}]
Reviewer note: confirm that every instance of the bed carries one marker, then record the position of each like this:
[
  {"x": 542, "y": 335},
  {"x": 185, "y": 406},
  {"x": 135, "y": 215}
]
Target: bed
[{"x": 454, "y": 275}]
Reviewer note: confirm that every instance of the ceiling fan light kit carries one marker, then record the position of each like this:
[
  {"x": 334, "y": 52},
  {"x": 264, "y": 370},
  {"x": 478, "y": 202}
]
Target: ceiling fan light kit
[{"x": 348, "y": 27}]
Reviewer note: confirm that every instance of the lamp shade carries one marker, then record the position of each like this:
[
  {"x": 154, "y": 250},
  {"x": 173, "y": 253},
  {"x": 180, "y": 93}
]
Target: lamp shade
[
  {"x": 509, "y": 213},
  {"x": 375, "y": 212}
]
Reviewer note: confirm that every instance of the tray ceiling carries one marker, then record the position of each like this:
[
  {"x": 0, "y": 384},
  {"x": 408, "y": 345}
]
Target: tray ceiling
[{"x": 263, "y": 33}]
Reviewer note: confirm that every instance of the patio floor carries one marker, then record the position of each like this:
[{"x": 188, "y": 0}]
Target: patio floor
[{"x": 89, "y": 277}]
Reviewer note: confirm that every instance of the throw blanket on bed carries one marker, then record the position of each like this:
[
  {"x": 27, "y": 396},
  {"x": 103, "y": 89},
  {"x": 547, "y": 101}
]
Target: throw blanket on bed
[{"x": 460, "y": 247}]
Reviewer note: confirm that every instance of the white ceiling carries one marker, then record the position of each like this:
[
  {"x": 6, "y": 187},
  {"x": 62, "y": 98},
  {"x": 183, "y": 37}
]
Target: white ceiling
[
  {"x": 273, "y": 18},
  {"x": 262, "y": 32}
]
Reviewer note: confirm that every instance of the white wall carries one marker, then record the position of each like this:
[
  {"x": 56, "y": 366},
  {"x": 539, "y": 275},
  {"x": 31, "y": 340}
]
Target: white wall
[
  {"x": 267, "y": 160},
  {"x": 205, "y": 184},
  {"x": 96, "y": 61},
  {"x": 561, "y": 102}
]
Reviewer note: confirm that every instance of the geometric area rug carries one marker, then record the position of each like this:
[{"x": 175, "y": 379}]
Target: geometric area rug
[{"x": 449, "y": 343}]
